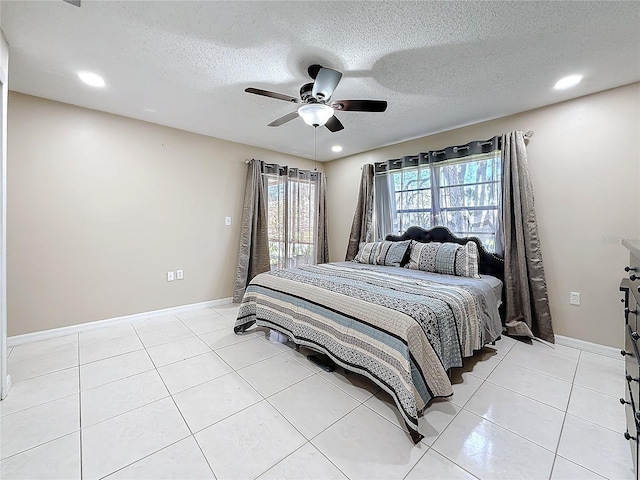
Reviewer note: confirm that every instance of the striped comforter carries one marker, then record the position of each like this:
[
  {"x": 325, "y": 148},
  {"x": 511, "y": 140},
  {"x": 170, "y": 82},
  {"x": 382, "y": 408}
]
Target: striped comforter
[{"x": 400, "y": 328}]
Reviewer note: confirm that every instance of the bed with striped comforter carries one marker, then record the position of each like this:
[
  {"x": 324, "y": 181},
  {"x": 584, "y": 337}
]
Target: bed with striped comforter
[{"x": 404, "y": 329}]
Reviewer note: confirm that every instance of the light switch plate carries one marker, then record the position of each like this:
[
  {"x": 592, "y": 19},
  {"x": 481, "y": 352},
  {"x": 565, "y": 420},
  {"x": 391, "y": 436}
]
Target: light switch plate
[
  {"x": 227, "y": 221},
  {"x": 170, "y": 277}
]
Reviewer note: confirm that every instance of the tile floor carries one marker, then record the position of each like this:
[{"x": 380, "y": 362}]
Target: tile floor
[{"x": 183, "y": 397}]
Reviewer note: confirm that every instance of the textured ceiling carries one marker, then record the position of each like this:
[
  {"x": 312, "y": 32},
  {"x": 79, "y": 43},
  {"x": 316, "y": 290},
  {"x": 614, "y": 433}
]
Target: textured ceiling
[{"x": 440, "y": 65}]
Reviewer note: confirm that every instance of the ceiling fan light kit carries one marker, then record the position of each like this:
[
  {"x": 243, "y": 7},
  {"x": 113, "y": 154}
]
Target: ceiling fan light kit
[
  {"x": 316, "y": 107},
  {"x": 315, "y": 114}
]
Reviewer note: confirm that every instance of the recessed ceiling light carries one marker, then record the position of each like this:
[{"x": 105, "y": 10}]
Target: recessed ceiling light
[
  {"x": 336, "y": 148},
  {"x": 567, "y": 82},
  {"x": 92, "y": 79}
]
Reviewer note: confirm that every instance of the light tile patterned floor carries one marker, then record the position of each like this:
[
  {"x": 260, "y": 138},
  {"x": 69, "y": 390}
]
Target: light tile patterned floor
[{"x": 183, "y": 397}]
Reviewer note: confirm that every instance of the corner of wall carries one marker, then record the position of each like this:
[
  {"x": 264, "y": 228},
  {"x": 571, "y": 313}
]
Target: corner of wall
[{"x": 5, "y": 381}]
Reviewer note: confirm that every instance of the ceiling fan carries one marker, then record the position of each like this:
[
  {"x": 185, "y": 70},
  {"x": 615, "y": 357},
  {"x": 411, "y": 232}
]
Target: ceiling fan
[{"x": 316, "y": 107}]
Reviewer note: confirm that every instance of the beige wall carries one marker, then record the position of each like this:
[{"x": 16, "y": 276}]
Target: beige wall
[
  {"x": 102, "y": 206},
  {"x": 584, "y": 161}
]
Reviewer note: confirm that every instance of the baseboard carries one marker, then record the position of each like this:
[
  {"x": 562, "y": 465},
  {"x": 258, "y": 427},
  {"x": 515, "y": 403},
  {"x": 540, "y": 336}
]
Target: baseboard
[
  {"x": 589, "y": 347},
  {"x": 84, "y": 327}
]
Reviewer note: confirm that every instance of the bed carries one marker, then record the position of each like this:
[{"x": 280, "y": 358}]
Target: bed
[{"x": 403, "y": 329}]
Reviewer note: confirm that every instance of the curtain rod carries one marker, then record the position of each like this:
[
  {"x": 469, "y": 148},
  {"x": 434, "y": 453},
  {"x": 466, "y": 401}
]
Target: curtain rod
[
  {"x": 315, "y": 169},
  {"x": 527, "y": 135}
]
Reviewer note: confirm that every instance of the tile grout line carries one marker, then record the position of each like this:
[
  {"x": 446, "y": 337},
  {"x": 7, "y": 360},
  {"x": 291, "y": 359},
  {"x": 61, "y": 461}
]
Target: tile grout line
[
  {"x": 44, "y": 374},
  {"x": 527, "y": 396},
  {"x": 142, "y": 458},
  {"x": 204, "y": 456},
  {"x": 429, "y": 447},
  {"x": 542, "y": 373},
  {"x": 180, "y": 411},
  {"x": 566, "y": 413},
  {"x": 564, "y": 418},
  {"x": 517, "y": 393},
  {"x": 40, "y": 444},
  {"x": 309, "y": 440},
  {"x": 419, "y": 459},
  {"x": 279, "y": 391},
  {"x": 573, "y": 384},
  {"x": 461, "y": 409},
  {"x": 174, "y": 402}
]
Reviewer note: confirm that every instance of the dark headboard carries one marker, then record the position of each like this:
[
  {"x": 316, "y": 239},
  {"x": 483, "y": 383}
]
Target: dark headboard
[{"x": 489, "y": 263}]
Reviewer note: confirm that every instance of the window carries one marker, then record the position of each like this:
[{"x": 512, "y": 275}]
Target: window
[
  {"x": 462, "y": 195},
  {"x": 291, "y": 210}
]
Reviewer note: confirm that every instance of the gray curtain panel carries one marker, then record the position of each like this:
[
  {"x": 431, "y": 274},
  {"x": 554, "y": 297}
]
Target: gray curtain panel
[
  {"x": 253, "y": 257},
  {"x": 384, "y": 208},
  {"x": 526, "y": 299},
  {"x": 361, "y": 230},
  {"x": 322, "y": 241}
]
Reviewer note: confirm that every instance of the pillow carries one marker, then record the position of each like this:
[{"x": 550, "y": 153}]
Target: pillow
[
  {"x": 446, "y": 258},
  {"x": 467, "y": 259},
  {"x": 382, "y": 253}
]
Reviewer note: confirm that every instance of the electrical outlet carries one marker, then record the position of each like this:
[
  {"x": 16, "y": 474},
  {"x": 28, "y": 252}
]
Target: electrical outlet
[
  {"x": 227, "y": 221},
  {"x": 574, "y": 298},
  {"x": 170, "y": 277},
  {"x": 179, "y": 274}
]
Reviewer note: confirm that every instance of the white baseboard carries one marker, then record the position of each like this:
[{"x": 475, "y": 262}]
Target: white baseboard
[
  {"x": 84, "y": 327},
  {"x": 589, "y": 347}
]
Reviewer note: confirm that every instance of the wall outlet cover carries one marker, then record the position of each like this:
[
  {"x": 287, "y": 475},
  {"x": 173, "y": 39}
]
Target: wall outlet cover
[
  {"x": 179, "y": 274},
  {"x": 574, "y": 298}
]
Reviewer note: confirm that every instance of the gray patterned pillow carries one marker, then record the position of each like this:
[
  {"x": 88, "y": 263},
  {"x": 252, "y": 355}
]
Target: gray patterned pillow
[
  {"x": 467, "y": 260},
  {"x": 423, "y": 256},
  {"x": 446, "y": 258},
  {"x": 382, "y": 253}
]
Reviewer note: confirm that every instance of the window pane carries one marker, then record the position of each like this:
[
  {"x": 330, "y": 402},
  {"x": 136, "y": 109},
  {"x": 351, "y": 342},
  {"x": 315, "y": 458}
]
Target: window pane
[
  {"x": 291, "y": 203},
  {"x": 468, "y": 197}
]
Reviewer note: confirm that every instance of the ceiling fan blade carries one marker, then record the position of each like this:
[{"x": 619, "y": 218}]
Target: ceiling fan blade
[
  {"x": 326, "y": 82},
  {"x": 283, "y": 119},
  {"x": 266, "y": 93},
  {"x": 334, "y": 125},
  {"x": 360, "y": 105},
  {"x": 73, "y": 2}
]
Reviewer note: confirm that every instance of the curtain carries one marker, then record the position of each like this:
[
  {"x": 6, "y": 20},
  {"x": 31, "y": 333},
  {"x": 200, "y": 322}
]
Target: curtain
[
  {"x": 253, "y": 257},
  {"x": 296, "y": 209},
  {"x": 361, "y": 230},
  {"x": 322, "y": 240},
  {"x": 384, "y": 208},
  {"x": 527, "y": 303}
]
